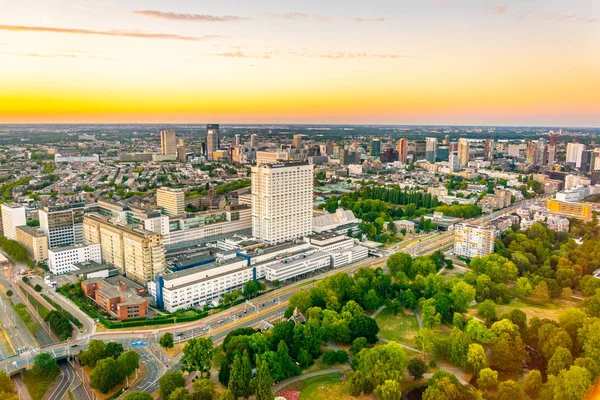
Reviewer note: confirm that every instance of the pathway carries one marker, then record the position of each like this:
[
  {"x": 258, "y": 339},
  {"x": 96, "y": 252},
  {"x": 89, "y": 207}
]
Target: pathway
[
  {"x": 379, "y": 310},
  {"x": 278, "y": 386}
]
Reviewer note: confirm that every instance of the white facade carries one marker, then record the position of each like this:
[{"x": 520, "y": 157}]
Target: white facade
[
  {"x": 327, "y": 221},
  {"x": 13, "y": 215},
  {"x": 94, "y": 158},
  {"x": 282, "y": 201},
  {"x": 574, "y": 154},
  {"x": 348, "y": 256},
  {"x": 573, "y": 195},
  {"x": 473, "y": 241},
  {"x": 303, "y": 265},
  {"x": 61, "y": 260}
]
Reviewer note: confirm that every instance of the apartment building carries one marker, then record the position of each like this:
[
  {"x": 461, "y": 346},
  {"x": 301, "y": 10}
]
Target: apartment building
[
  {"x": 34, "y": 240},
  {"x": 136, "y": 252},
  {"x": 569, "y": 209},
  {"x": 168, "y": 142},
  {"x": 172, "y": 201},
  {"x": 61, "y": 259},
  {"x": 282, "y": 197},
  {"x": 13, "y": 215},
  {"x": 473, "y": 240}
]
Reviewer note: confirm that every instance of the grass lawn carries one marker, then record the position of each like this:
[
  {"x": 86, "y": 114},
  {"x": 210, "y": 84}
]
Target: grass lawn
[
  {"x": 533, "y": 308},
  {"x": 38, "y": 385},
  {"x": 325, "y": 387},
  {"x": 401, "y": 328}
]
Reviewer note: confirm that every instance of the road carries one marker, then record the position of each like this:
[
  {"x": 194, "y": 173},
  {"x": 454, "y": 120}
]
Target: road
[
  {"x": 19, "y": 335},
  {"x": 67, "y": 378}
]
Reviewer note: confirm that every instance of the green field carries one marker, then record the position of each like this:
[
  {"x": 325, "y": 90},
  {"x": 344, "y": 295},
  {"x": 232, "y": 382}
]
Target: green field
[
  {"x": 400, "y": 328},
  {"x": 38, "y": 385}
]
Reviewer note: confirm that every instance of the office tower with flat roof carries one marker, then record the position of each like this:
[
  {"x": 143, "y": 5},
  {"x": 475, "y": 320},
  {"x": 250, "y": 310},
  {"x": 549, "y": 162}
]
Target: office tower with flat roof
[
  {"x": 402, "y": 150},
  {"x": 172, "y": 201},
  {"x": 297, "y": 141},
  {"x": 237, "y": 140},
  {"x": 574, "y": 153},
  {"x": 453, "y": 161},
  {"x": 168, "y": 142},
  {"x": 328, "y": 148},
  {"x": 63, "y": 224},
  {"x": 13, "y": 215},
  {"x": 282, "y": 196},
  {"x": 136, "y": 252},
  {"x": 431, "y": 149},
  {"x": 488, "y": 150},
  {"x": 420, "y": 150},
  {"x": 212, "y": 140},
  {"x": 375, "y": 147},
  {"x": 181, "y": 156},
  {"x": 254, "y": 143},
  {"x": 463, "y": 153}
]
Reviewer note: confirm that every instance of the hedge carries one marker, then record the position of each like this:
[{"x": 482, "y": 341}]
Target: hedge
[{"x": 67, "y": 314}]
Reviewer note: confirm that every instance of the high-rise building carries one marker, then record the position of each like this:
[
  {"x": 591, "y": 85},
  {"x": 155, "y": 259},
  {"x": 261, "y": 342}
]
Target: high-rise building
[
  {"x": 375, "y": 147},
  {"x": 181, "y": 156},
  {"x": 402, "y": 150},
  {"x": 419, "y": 150},
  {"x": 171, "y": 200},
  {"x": 136, "y": 252},
  {"x": 34, "y": 240},
  {"x": 212, "y": 140},
  {"x": 389, "y": 155},
  {"x": 348, "y": 157},
  {"x": 282, "y": 196},
  {"x": 63, "y": 224},
  {"x": 453, "y": 161},
  {"x": 13, "y": 215},
  {"x": 552, "y": 149},
  {"x": 446, "y": 141},
  {"x": 542, "y": 152},
  {"x": 574, "y": 153},
  {"x": 463, "y": 153},
  {"x": 431, "y": 145},
  {"x": 237, "y": 140},
  {"x": 531, "y": 152},
  {"x": 297, "y": 141},
  {"x": 473, "y": 240},
  {"x": 168, "y": 142},
  {"x": 328, "y": 148},
  {"x": 254, "y": 141},
  {"x": 488, "y": 150}
]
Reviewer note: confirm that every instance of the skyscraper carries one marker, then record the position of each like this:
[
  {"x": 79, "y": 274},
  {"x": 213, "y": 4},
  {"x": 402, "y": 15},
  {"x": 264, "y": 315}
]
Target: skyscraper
[
  {"x": 167, "y": 142},
  {"x": 237, "y": 141},
  {"x": 463, "y": 153},
  {"x": 574, "y": 152},
  {"x": 552, "y": 149},
  {"x": 254, "y": 141},
  {"x": 329, "y": 148},
  {"x": 171, "y": 200},
  {"x": 282, "y": 196},
  {"x": 402, "y": 150},
  {"x": 181, "y": 156},
  {"x": 212, "y": 140},
  {"x": 488, "y": 150},
  {"x": 420, "y": 150},
  {"x": 297, "y": 141},
  {"x": 375, "y": 147},
  {"x": 431, "y": 149},
  {"x": 453, "y": 161}
]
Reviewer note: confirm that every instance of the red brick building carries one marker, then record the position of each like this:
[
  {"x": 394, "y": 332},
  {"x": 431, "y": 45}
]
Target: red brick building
[{"x": 120, "y": 301}]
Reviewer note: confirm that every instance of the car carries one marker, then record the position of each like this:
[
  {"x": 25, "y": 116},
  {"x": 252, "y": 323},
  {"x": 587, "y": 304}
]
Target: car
[
  {"x": 75, "y": 345},
  {"x": 178, "y": 334}
]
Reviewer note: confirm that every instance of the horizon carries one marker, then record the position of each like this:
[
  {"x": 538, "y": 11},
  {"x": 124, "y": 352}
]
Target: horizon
[{"x": 432, "y": 63}]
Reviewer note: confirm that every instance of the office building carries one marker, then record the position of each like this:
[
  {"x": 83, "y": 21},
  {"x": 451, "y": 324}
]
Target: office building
[
  {"x": 488, "y": 150},
  {"x": 574, "y": 154},
  {"x": 453, "y": 161},
  {"x": 420, "y": 150},
  {"x": 254, "y": 143},
  {"x": 172, "y": 201},
  {"x": 13, "y": 215},
  {"x": 568, "y": 209},
  {"x": 136, "y": 252},
  {"x": 463, "y": 153},
  {"x": 282, "y": 196},
  {"x": 388, "y": 155},
  {"x": 328, "y": 148},
  {"x": 168, "y": 142},
  {"x": 552, "y": 150},
  {"x": 61, "y": 259},
  {"x": 34, "y": 240},
  {"x": 181, "y": 156},
  {"x": 473, "y": 240},
  {"x": 375, "y": 147},
  {"x": 402, "y": 150},
  {"x": 297, "y": 142},
  {"x": 212, "y": 140},
  {"x": 348, "y": 157},
  {"x": 431, "y": 145},
  {"x": 91, "y": 159},
  {"x": 63, "y": 224},
  {"x": 237, "y": 140},
  {"x": 121, "y": 302},
  {"x": 270, "y": 157}
]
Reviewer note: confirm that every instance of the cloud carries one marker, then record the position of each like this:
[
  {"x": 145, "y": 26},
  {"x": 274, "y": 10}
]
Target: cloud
[
  {"x": 119, "y": 33},
  {"x": 40, "y": 55},
  {"x": 187, "y": 17},
  {"x": 341, "y": 55},
  {"x": 312, "y": 54},
  {"x": 376, "y": 19},
  {"x": 495, "y": 9},
  {"x": 299, "y": 16},
  {"x": 240, "y": 54}
]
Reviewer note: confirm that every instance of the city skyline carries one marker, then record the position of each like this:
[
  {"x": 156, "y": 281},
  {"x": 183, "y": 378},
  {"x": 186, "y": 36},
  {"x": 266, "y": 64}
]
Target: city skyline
[{"x": 475, "y": 63}]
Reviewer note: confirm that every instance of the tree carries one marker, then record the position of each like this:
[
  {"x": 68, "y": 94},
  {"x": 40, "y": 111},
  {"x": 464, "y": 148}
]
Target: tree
[
  {"x": 487, "y": 311},
  {"x": 166, "y": 340},
  {"x": 509, "y": 390},
  {"x": 363, "y": 326},
  {"x": 93, "y": 354},
  {"x": 478, "y": 332},
  {"x": 561, "y": 360},
  {"x": 45, "y": 365},
  {"x": 571, "y": 384},
  {"x": 237, "y": 379},
  {"x": 382, "y": 363},
  {"x": 224, "y": 373},
  {"x": 197, "y": 355},
  {"x": 541, "y": 292},
  {"x": 169, "y": 382},
  {"x": 113, "y": 349},
  {"x": 462, "y": 295},
  {"x": 476, "y": 359},
  {"x": 251, "y": 289},
  {"x": 357, "y": 345},
  {"x": 400, "y": 262},
  {"x": 498, "y": 268},
  {"x": 6, "y": 387},
  {"x": 304, "y": 359},
  {"x": 263, "y": 381},
  {"x": 180, "y": 393},
  {"x": 329, "y": 357},
  {"x": 389, "y": 390},
  {"x": 429, "y": 315},
  {"x": 106, "y": 375},
  {"x": 532, "y": 383},
  {"x": 508, "y": 353},
  {"x": 417, "y": 368},
  {"x": 301, "y": 300},
  {"x": 523, "y": 287},
  {"x": 129, "y": 361},
  {"x": 357, "y": 383},
  {"x": 138, "y": 396},
  {"x": 488, "y": 379},
  {"x": 9, "y": 293},
  {"x": 204, "y": 389},
  {"x": 37, "y": 287}
]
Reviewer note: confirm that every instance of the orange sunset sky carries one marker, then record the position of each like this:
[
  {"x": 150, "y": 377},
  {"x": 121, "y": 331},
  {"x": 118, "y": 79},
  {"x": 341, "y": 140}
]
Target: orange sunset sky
[{"x": 522, "y": 62}]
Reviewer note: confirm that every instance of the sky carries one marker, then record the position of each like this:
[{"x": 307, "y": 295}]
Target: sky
[{"x": 443, "y": 62}]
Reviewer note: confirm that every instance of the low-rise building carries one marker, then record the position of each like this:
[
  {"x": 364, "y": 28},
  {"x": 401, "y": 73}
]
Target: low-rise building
[
  {"x": 304, "y": 264},
  {"x": 568, "y": 209},
  {"x": 119, "y": 301},
  {"x": 61, "y": 259},
  {"x": 409, "y": 226}
]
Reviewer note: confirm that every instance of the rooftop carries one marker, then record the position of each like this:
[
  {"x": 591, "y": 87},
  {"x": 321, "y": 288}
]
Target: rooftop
[
  {"x": 34, "y": 231},
  {"x": 200, "y": 268}
]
